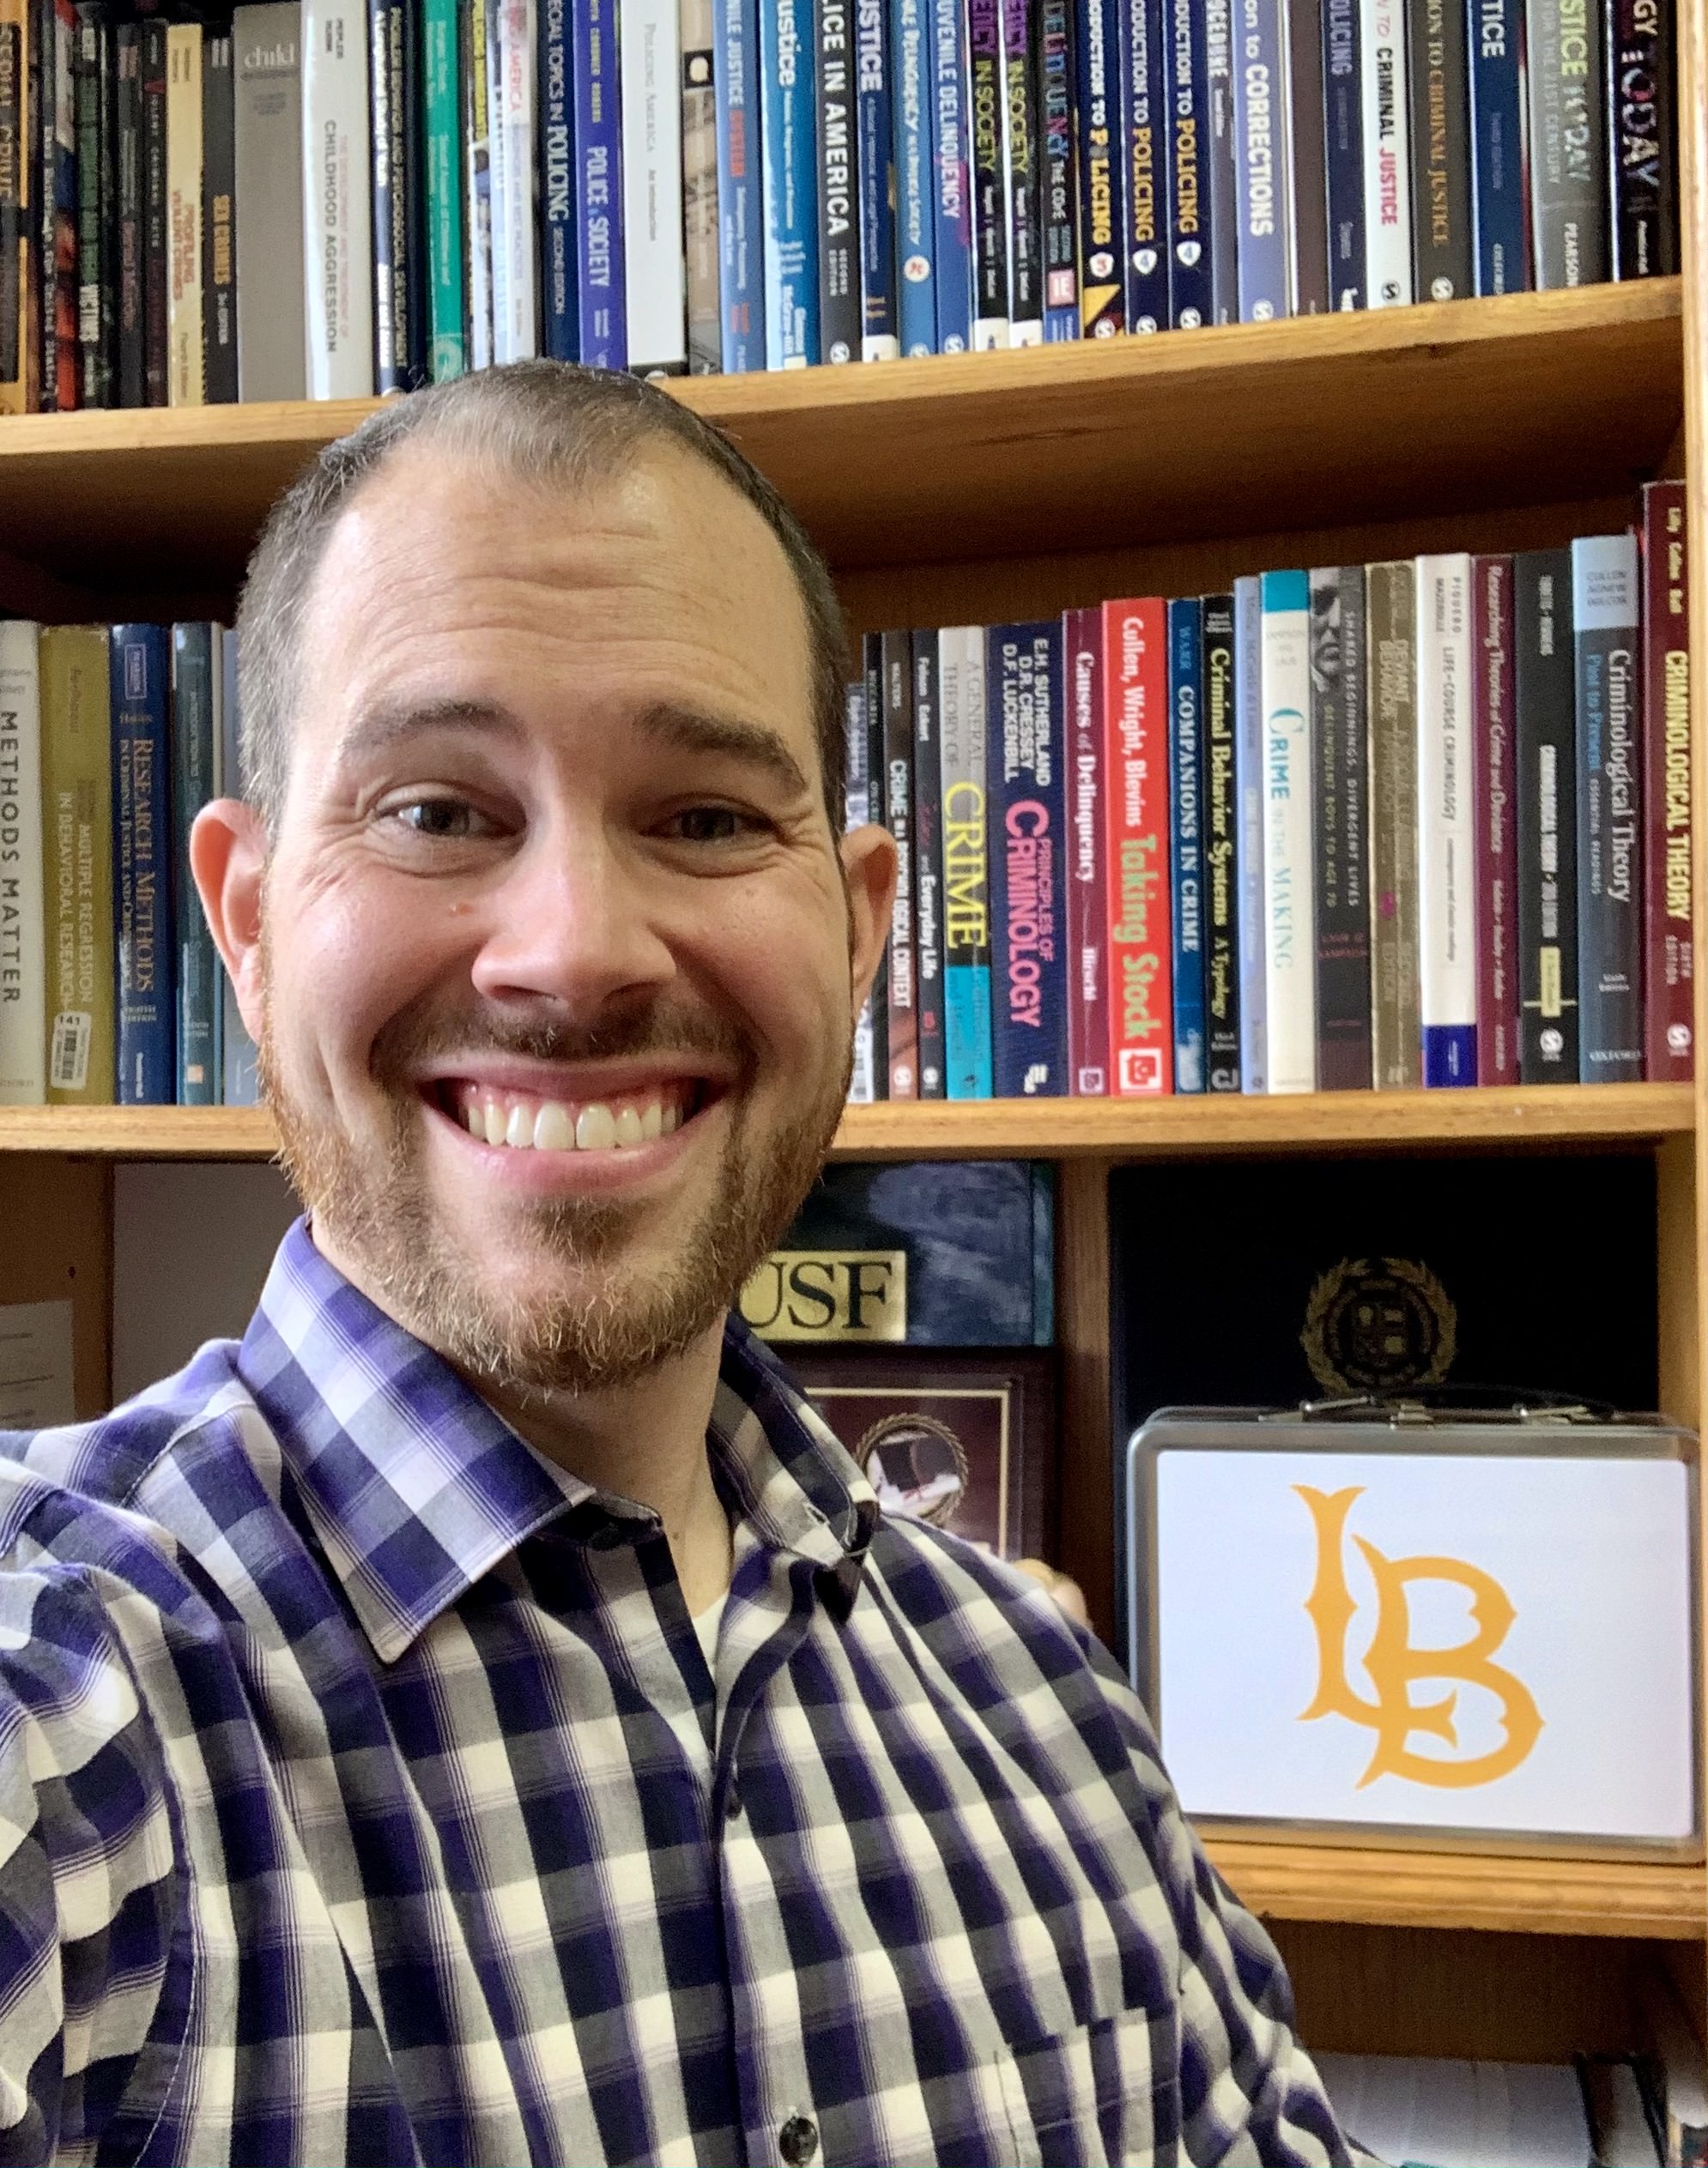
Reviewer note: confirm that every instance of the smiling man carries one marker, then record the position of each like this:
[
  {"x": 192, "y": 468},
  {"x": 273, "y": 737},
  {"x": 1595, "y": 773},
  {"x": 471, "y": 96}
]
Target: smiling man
[{"x": 483, "y": 1717}]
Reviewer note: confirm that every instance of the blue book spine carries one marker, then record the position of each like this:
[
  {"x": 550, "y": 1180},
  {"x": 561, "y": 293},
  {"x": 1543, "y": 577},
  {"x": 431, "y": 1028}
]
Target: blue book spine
[
  {"x": 1027, "y": 809},
  {"x": 141, "y": 848},
  {"x": 741, "y": 267},
  {"x": 1186, "y": 836},
  {"x": 1248, "y": 770},
  {"x": 880, "y": 337},
  {"x": 1097, "y": 49},
  {"x": 915, "y": 206},
  {"x": 1185, "y": 71},
  {"x": 789, "y": 159},
  {"x": 1343, "y": 152},
  {"x": 1058, "y": 208},
  {"x": 560, "y": 317},
  {"x": 1145, "y": 133},
  {"x": 601, "y": 306},
  {"x": 1500, "y": 213},
  {"x": 193, "y": 786},
  {"x": 953, "y": 201},
  {"x": 1260, "y": 141}
]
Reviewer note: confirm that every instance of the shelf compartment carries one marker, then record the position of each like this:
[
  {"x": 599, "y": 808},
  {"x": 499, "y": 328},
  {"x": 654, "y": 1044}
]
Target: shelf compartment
[
  {"x": 1252, "y": 429},
  {"x": 1532, "y": 1896}
]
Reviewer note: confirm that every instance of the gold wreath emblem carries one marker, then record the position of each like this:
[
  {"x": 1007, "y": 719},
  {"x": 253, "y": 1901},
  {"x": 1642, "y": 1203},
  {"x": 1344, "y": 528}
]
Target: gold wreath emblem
[
  {"x": 1373, "y": 1328},
  {"x": 939, "y": 1511}
]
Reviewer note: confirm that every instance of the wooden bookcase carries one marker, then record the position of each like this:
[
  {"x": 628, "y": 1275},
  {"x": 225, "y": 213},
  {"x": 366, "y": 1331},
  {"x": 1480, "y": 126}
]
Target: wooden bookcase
[{"x": 988, "y": 486}]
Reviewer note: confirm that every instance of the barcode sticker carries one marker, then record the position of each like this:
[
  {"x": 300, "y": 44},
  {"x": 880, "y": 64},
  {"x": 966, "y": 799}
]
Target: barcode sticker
[{"x": 74, "y": 1030}]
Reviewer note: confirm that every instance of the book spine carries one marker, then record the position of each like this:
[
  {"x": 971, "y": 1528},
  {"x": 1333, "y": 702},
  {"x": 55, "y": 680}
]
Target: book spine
[
  {"x": 477, "y": 131},
  {"x": 23, "y": 933},
  {"x": 928, "y": 865},
  {"x": 602, "y": 309},
  {"x": 1058, "y": 208},
  {"x": 650, "y": 75},
  {"x": 1343, "y": 148},
  {"x": 186, "y": 376},
  {"x": 857, "y": 812},
  {"x": 1221, "y": 850},
  {"x": 915, "y": 193},
  {"x": 1190, "y": 298},
  {"x": 1544, "y": 713},
  {"x": 1567, "y": 142},
  {"x": 966, "y": 876},
  {"x": 1146, "y": 132},
  {"x": 20, "y": 286},
  {"x": 337, "y": 199},
  {"x": 156, "y": 275},
  {"x": 1605, "y": 620},
  {"x": 1500, "y": 207},
  {"x": 1306, "y": 148},
  {"x": 1140, "y": 955},
  {"x": 1638, "y": 73},
  {"x": 219, "y": 225},
  {"x": 1446, "y": 869},
  {"x": 838, "y": 186},
  {"x": 142, "y": 889},
  {"x": 701, "y": 222},
  {"x": 1441, "y": 197},
  {"x": 442, "y": 166},
  {"x": 1222, "y": 170},
  {"x": 1338, "y": 723},
  {"x": 1026, "y": 245},
  {"x": 1186, "y": 838},
  {"x": 497, "y": 180},
  {"x": 569, "y": 240},
  {"x": 1668, "y": 866},
  {"x": 1023, "y": 686},
  {"x": 1087, "y": 900},
  {"x": 898, "y": 790},
  {"x": 266, "y": 124},
  {"x": 877, "y": 760},
  {"x": 37, "y": 146},
  {"x": 66, "y": 381},
  {"x": 77, "y": 755},
  {"x": 1252, "y": 910},
  {"x": 1290, "y": 933},
  {"x": 989, "y": 177},
  {"x": 193, "y": 786},
  {"x": 519, "y": 337},
  {"x": 1260, "y": 118},
  {"x": 132, "y": 386},
  {"x": 1103, "y": 176},
  {"x": 1390, "y": 651},
  {"x": 1385, "y": 113},
  {"x": 740, "y": 258},
  {"x": 1496, "y": 815},
  {"x": 952, "y": 151},
  {"x": 240, "y": 1082},
  {"x": 93, "y": 39}
]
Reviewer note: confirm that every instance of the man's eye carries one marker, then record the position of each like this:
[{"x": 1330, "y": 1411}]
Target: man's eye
[
  {"x": 714, "y": 824},
  {"x": 446, "y": 817}
]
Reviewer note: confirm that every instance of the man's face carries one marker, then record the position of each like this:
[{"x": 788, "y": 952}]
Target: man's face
[{"x": 554, "y": 969}]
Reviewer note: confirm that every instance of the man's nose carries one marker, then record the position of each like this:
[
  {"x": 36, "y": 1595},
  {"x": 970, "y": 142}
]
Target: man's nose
[{"x": 574, "y": 920}]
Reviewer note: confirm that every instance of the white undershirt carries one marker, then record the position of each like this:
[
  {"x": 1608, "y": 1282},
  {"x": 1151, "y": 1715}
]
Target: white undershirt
[{"x": 705, "y": 1625}]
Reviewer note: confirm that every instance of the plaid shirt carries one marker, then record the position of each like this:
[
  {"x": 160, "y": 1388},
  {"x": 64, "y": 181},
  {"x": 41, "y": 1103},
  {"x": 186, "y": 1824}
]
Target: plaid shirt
[{"x": 366, "y": 1797}]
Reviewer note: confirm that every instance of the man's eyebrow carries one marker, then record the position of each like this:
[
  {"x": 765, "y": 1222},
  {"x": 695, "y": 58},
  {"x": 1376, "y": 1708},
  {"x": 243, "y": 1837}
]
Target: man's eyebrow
[
  {"x": 389, "y": 722},
  {"x": 686, "y": 730}
]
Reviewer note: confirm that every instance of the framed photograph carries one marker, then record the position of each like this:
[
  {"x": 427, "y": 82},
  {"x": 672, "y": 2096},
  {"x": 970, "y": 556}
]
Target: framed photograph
[{"x": 962, "y": 1437}]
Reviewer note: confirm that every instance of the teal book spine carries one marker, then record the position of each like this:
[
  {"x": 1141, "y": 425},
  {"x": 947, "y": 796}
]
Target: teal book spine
[
  {"x": 442, "y": 72},
  {"x": 197, "y": 1037}
]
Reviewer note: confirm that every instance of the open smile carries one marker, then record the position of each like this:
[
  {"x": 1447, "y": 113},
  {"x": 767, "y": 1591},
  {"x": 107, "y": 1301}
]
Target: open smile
[{"x": 512, "y": 1118}]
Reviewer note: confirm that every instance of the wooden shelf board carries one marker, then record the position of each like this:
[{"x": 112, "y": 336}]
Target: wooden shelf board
[
  {"x": 1035, "y": 1129},
  {"x": 1395, "y": 1888},
  {"x": 1234, "y": 429}
]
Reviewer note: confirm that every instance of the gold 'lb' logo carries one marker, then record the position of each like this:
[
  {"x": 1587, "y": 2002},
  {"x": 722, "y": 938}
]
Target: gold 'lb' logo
[{"x": 1394, "y": 1665}]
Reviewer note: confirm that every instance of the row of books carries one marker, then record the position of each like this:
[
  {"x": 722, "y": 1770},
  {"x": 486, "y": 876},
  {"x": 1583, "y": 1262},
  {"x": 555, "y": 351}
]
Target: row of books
[
  {"x": 111, "y": 740},
  {"x": 1418, "y": 823},
  {"x": 334, "y": 197}
]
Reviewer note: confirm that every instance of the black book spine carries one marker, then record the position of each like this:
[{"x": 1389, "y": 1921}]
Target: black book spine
[
  {"x": 1022, "y": 57},
  {"x": 1567, "y": 145},
  {"x": 1309, "y": 254},
  {"x": 1639, "y": 83},
  {"x": 1441, "y": 169},
  {"x": 127, "y": 69},
  {"x": 1221, "y": 852},
  {"x": 903, "y": 995},
  {"x": 839, "y": 295},
  {"x": 1186, "y": 98},
  {"x": 1222, "y": 172},
  {"x": 877, "y": 762},
  {"x": 1343, "y": 147},
  {"x": 219, "y": 223},
  {"x": 97, "y": 206},
  {"x": 14, "y": 295},
  {"x": 928, "y": 868},
  {"x": 1547, "y": 765},
  {"x": 989, "y": 177},
  {"x": 41, "y": 151},
  {"x": 154, "y": 276},
  {"x": 1342, "y": 793},
  {"x": 399, "y": 238}
]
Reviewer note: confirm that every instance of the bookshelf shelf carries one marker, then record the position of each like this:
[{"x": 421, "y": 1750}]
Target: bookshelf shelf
[
  {"x": 1249, "y": 429},
  {"x": 1024, "y": 1129},
  {"x": 1384, "y": 1888}
]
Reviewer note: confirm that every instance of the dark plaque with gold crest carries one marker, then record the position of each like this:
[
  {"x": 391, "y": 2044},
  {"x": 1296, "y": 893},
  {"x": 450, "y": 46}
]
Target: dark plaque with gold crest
[{"x": 962, "y": 1437}]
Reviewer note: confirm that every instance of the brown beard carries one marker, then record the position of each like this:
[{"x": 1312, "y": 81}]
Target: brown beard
[{"x": 370, "y": 1200}]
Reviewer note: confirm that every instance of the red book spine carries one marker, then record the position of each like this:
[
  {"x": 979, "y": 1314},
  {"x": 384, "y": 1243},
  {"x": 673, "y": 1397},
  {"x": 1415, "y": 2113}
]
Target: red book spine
[
  {"x": 1496, "y": 822},
  {"x": 1135, "y": 795},
  {"x": 1668, "y": 958},
  {"x": 1087, "y": 883}
]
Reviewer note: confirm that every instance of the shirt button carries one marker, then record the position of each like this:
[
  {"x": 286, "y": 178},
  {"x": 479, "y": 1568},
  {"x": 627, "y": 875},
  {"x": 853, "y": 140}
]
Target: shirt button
[{"x": 798, "y": 2141}]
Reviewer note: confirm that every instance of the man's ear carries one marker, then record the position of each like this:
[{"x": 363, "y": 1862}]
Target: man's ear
[
  {"x": 229, "y": 857},
  {"x": 868, "y": 867}
]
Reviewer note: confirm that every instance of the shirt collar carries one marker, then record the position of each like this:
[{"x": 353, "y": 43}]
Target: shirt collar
[{"x": 416, "y": 1487}]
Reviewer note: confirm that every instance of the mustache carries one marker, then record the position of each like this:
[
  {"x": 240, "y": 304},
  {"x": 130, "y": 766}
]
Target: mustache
[{"x": 416, "y": 1039}]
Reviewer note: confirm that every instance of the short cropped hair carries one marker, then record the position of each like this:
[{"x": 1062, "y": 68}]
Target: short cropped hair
[{"x": 540, "y": 423}]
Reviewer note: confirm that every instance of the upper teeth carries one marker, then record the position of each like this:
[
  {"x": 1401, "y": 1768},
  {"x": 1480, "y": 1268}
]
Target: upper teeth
[{"x": 550, "y": 1125}]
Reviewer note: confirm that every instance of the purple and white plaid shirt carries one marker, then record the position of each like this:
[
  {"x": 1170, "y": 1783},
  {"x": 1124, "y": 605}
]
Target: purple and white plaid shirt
[{"x": 366, "y": 1797}]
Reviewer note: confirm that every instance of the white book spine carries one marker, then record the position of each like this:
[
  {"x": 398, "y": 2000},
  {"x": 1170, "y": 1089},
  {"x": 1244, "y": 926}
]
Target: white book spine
[
  {"x": 186, "y": 369},
  {"x": 651, "y": 74},
  {"x": 1289, "y": 864},
  {"x": 1446, "y": 859},
  {"x": 1387, "y": 153},
  {"x": 23, "y": 931},
  {"x": 518, "y": 241},
  {"x": 337, "y": 200}
]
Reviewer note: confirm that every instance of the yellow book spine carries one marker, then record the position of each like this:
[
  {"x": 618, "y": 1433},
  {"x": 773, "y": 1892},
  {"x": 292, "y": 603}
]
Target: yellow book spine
[{"x": 77, "y": 762}]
